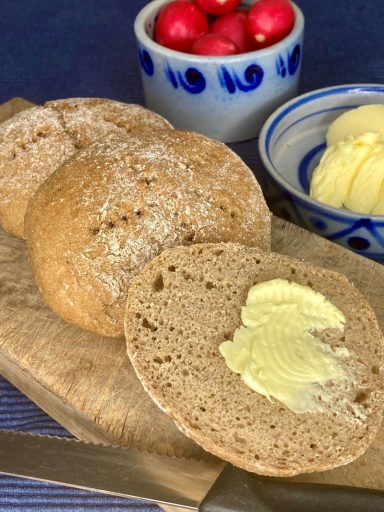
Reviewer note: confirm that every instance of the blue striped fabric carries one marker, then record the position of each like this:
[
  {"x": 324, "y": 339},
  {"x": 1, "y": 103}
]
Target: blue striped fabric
[{"x": 18, "y": 413}]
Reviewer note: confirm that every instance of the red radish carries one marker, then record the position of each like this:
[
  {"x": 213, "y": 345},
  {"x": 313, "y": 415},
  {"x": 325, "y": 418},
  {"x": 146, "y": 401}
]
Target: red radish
[
  {"x": 179, "y": 25},
  {"x": 214, "y": 44},
  {"x": 233, "y": 26},
  {"x": 269, "y": 21},
  {"x": 218, "y": 7}
]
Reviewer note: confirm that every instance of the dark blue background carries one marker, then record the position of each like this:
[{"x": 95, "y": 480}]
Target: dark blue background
[
  {"x": 62, "y": 48},
  {"x": 58, "y": 48}
]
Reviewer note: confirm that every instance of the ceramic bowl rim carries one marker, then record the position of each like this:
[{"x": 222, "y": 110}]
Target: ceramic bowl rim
[
  {"x": 142, "y": 36},
  {"x": 273, "y": 121}
]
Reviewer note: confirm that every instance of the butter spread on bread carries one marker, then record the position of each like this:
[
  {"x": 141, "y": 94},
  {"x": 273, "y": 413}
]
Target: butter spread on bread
[
  {"x": 278, "y": 351},
  {"x": 188, "y": 300}
]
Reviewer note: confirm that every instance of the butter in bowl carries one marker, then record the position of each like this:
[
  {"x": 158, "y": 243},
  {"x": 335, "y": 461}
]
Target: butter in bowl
[
  {"x": 337, "y": 201},
  {"x": 351, "y": 172}
]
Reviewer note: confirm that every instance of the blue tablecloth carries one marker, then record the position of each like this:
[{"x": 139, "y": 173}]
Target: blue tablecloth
[{"x": 62, "y": 48}]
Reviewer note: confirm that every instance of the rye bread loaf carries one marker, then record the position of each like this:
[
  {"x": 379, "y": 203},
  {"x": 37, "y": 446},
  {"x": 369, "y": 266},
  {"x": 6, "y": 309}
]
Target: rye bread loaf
[
  {"x": 188, "y": 300},
  {"x": 35, "y": 142},
  {"x": 94, "y": 224}
]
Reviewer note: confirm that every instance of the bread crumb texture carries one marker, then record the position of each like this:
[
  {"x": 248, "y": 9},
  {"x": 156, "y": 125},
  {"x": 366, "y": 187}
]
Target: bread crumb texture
[
  {"x": 36, "y": 141},
  {"x": 107, "y": 211},
  {"x": 188, "y": 301}
]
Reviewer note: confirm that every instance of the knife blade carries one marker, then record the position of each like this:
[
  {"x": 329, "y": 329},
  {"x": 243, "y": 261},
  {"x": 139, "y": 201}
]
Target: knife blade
[
  {"x": 197, "y": 485},
  {"x": 115, "y": 471}
]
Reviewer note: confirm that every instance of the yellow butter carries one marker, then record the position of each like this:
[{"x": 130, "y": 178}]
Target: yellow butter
[
  {"x": 277, "y": 352},
  {"x": 368, "y": 118},
  {"x": 351, "y": 174}
]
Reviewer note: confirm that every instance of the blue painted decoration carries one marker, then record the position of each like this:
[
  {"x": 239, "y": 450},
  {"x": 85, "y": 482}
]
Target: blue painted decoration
[
  {"x": 192, "y": 81},
  {"x": 358, "y": 243},
  {"x": 292, "y": 62},
  {"x": 280, "y": 66},
  {"x": 253, "y": 77},
  {"x": 171, "y": 77},
  {"x": 362, "y": 236},
  {"x": 318, "y": 224},
  {"x": 226, "y": 80},
  {"x": 364, "y": 223},
  {"x": 307, "y": 165},
  {"x": 146, "y": 62}
]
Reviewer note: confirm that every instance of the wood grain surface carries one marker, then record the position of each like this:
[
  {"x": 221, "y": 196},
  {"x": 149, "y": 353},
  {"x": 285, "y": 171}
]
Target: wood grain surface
[{"x": 86, "y": 382}]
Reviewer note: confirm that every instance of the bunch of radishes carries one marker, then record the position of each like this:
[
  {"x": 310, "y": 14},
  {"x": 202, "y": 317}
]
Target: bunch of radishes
[{"x": 216, "y": 27}]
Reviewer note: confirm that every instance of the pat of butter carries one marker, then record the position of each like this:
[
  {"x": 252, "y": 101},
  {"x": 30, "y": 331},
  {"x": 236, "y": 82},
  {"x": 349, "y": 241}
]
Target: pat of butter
[
  {"x": 368, "y": 118},
  {"x": 351, "y": 174},
  {"x": 277, "y": 352}
]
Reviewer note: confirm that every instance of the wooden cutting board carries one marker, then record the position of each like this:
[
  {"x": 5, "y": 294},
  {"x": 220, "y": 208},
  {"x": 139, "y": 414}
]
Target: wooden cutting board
[{"x": 86, "y": 382}]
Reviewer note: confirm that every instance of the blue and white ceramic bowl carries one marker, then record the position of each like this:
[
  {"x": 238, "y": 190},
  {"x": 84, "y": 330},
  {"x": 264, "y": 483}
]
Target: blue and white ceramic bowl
[
  {"x": 227, "y": 98},
  {"x": 291, "y": 144}
]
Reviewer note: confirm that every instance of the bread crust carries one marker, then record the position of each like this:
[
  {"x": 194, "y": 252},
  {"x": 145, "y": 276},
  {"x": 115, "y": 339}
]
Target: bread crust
[
  {"x": 111, "y": 208},
  {"x": 188, "y": 300},
  {"x": 36, "y": 141}
]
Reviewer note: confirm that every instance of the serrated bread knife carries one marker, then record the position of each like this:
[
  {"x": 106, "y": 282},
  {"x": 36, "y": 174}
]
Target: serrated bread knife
[{"x": 203, "y": 486}]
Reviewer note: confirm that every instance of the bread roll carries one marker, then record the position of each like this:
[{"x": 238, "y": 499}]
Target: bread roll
[
  {"x": 36, "y": 141},
  {"x": 188, "y": 300},
  {"x": 94, "y": 223}
]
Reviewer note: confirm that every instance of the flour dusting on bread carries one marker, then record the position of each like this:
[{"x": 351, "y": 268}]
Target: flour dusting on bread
[
  {"x": 36, "y": 141},
  {"x": 115, "y": 205}
]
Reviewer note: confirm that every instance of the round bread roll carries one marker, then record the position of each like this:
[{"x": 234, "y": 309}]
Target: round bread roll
[
  {"x": 107, "y": 211},
  {"x": 35, "y": 142},
  {"x": 188, "y": 300}
]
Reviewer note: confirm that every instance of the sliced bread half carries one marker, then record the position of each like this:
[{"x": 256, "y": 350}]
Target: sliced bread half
[{"x": 188, "y": 300}]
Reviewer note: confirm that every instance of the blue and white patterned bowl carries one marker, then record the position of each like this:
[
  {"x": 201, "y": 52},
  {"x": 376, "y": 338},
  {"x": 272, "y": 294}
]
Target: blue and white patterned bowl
[
  {"x": 227, "y": 98},
  {"x": 291, "y": 144}
]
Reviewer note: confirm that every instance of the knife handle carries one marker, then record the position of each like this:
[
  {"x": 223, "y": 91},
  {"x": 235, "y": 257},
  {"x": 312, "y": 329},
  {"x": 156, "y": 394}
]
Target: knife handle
[{"x": 236, "y": 490}]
